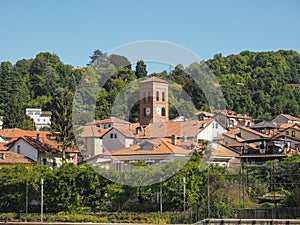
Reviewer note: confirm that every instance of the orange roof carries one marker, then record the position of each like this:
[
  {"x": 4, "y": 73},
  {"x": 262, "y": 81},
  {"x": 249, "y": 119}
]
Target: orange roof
[
  {"x": 109, "y": 121},
  {"x": 3, "y": 147},
  {"x": 286, "y": 125},
  {"x": 154, "y": 79},
  {"x": 43, "y": 144},
  {"x": 233, "y": 114},
  {"x": 189, "y": 128},
  {"x": 232, "y": 133},
  {"x": 7, "y": 157},
  {"x": 162, "y": 147},
  {"x": 16, "y": 133},
  {"x": 91, "y": 131}
]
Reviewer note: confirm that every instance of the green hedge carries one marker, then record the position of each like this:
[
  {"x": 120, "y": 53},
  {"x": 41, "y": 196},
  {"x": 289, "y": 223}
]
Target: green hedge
[{"x": 152, "y": 218}]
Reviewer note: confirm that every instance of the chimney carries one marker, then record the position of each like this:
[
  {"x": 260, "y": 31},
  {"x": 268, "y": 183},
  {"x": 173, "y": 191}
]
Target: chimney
[
  {"x": 174, "y": 139},
  {"x": 184, "y": 138}
]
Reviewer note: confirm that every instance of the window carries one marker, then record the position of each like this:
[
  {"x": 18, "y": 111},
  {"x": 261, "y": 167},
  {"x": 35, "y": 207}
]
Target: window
[
  {"x": 44, "y": 161},
  {"x": 287, "y": 132},
  {"x": 116, "y": 135},
  {"x": 163, "y": 112},
  {"x": 163, "y": 96},
  {"x": 216, "y": 125},
  {"x": 18, "y": 149},
  {"x": 144, "y": 96},
  {"x": 149, "y": 96},
  {"x": 111, "y": 135},
  {"x": 213, "y": 125},
  {"x": 293, "y": 133},
  {"x": 157, "y": 96},
  {"x": 144, "y": 111}
]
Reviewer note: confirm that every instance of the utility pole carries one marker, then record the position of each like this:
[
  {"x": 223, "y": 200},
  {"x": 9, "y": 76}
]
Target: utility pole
[
  {"x": 160, "y": 200},
  {"x": 184, "y": 193},
  {"x": 208, "y": 192},
  {"x": 42, "y": 199},
  {"x": 26, "y": 203}
]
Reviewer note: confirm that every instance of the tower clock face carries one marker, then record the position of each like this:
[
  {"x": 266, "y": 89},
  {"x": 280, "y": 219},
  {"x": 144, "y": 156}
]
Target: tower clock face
[
  {"x": 158, "y": 110},
  {"x": 148, "y": 111}
]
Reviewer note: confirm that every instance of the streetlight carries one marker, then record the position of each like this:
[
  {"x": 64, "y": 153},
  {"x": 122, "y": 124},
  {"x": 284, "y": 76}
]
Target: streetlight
[
  {"x": 184, "y": 181},
  {"x": 42, "y": 199}
]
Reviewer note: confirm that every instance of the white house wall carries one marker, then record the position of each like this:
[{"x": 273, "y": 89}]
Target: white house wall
[
  {"x": 25, "y": 150},
  {"x": 115, "y": 143},
  {"x": 211, "y": 131}
]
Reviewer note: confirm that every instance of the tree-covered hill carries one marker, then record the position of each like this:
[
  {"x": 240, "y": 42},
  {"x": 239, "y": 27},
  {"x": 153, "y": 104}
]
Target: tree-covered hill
[
  {"x": 253, "y": 83},
  {"x": 256, "y": 83}
]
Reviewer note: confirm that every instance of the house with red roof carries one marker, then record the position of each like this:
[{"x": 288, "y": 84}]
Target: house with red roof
[
  {"x": 148, "y": 151},
  {"x": 42, "y": 150},
  {"x": 8, "y": 158}
]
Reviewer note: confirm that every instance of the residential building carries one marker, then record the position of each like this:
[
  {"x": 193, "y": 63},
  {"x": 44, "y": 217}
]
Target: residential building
[
  {"x": 149, "y": 151},
  {"x": 41, "y": 119},
  {"x": 229, "y": 118},
  {"x": 8, "y": 158},
  {"x": 90, "y": 140},
  {"x": 42, "y": 150},
  {"x": 285, "y": 118}
]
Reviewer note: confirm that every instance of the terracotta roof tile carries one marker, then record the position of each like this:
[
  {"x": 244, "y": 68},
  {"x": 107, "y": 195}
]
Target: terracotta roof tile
[
  {"x": 7, "y": 157},
  {"x": 16, "y": 133},
  {"x": 91, "y": 131},
  {"x": 165, "y": 147}
]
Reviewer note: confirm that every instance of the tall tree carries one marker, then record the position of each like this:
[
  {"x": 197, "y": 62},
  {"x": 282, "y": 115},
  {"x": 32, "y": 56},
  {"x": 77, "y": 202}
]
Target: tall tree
[
  {"x": 61, "y": 122},
  {"x": 140, "y": 69}
]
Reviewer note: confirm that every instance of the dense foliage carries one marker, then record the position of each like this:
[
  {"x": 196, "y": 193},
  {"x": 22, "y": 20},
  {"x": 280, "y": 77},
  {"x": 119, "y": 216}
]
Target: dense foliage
[
  {"x": 252, "y": 83},
  {"x": 215, "y": 191}
]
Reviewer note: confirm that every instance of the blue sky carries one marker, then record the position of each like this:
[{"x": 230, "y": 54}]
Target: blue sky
[{"x": 72, "y": 29}]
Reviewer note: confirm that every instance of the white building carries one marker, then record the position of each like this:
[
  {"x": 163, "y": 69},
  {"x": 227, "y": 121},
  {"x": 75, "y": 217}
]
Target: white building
[
  {"x": 1, "y": 122},
  {"x": 41, "y": 119}
]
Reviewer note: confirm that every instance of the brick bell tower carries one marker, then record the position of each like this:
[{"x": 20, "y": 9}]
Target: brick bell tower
[{"x": 153, "y": 101}]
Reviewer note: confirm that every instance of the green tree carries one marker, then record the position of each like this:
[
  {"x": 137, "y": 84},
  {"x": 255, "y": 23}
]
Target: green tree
[
  {"x": 61, "y": 122},
  {"x": 140, "y": 69}
]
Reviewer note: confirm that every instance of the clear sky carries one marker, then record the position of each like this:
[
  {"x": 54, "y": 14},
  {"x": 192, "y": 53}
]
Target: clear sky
[{"x": 73, "y": 29}]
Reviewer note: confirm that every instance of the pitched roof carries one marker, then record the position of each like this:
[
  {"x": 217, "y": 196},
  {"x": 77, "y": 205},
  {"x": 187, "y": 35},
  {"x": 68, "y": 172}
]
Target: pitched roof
[
  {"x": 163, "y": 146},
  {"x": 16, "y": 133},
  {"x": 264, "y": 124},
  {"x": 232, "y": 114},
  {"x": 7, "y": 157},
  {"x": 109, "y": 120},
  {"x": 254, "y": 131},
  {"x": 189, "y": 128},
  {"x": 289, "y": 117},
  {"x": 43, "y": 144},
  {"x": 153, "y": 79},
  {"x": 3, "y": 147},
  {"x": 91, "y": 131}
]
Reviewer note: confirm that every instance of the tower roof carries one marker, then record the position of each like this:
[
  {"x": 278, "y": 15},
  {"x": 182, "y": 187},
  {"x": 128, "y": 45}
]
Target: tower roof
[{"x": 154, "y": 79}]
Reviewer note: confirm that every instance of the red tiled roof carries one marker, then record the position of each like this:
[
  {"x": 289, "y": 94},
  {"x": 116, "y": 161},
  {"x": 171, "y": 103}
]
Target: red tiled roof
[
  {"x": 3, "y": 147},
  {"x": 43, "y": 144},
  {"x": 16, "y": 133},
  {"x": 109, "y": 121},
  {"x": 189, "y": 128},
  {"x": 91, "y": 131},
  {"x": 233, "y": 114},
  {"x": 164, "y": 147},
  {"x": 7, "y": 157}
]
